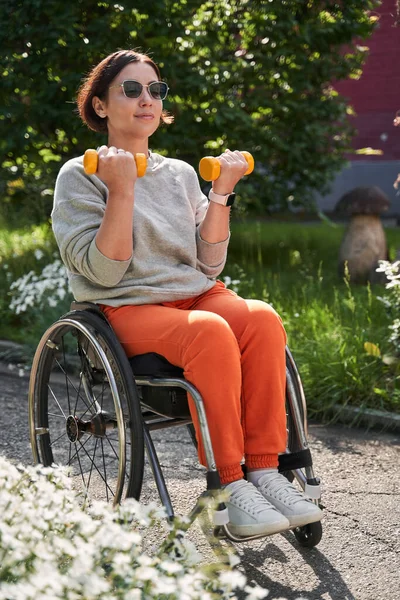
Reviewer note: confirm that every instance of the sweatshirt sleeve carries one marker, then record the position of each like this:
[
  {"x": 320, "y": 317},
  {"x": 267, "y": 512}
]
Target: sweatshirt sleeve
[
  {"x": 79, "y": 206},
  {"x": 211, "y": 258}
]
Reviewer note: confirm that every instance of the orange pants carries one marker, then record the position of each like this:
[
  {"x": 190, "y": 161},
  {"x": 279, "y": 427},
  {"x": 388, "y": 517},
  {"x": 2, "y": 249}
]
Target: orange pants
[{"x": 233, "y": 351}]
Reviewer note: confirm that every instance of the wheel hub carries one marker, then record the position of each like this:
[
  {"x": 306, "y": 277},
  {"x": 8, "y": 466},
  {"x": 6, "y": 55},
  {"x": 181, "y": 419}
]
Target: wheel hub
[
  {"x": 97, "y": 426},
  {"x": 74, "y": 431}
]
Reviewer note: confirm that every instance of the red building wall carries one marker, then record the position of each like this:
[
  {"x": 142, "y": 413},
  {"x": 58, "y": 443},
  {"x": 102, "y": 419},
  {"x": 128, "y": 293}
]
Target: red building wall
[{"x": 375, "y": 97}]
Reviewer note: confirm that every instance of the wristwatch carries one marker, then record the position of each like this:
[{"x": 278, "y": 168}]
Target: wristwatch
[{"x": 225, "y": 200}]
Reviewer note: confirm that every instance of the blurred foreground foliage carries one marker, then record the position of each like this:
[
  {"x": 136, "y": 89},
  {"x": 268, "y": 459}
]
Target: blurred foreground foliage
[{"x": 247, "y": 74}]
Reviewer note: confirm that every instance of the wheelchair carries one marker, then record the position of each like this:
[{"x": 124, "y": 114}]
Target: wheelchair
[{"x": 93, "y": 409}]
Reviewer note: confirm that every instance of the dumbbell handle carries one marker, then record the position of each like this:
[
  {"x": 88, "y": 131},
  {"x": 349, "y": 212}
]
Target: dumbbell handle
[
  {"x": 91, "y": 161},
  {"x": 210, "y": 167}
]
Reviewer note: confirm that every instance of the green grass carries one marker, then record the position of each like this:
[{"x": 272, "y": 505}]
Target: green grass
[
  {"x": 328, "y": 321},
  {"x": 293, "y": 267}
]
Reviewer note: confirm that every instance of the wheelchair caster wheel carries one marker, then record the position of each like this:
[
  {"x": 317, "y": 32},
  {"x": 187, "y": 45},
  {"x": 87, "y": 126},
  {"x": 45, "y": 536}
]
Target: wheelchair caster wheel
[{"x": 309, "y": 535}]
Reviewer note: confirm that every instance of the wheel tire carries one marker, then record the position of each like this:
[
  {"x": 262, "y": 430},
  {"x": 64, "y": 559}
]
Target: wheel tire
[
  {"x": 293, "y": 443},
  {"x": 309, "y": 535},
  {"x": 82, "y": 387},
  {"x": 291, "y": 373}
]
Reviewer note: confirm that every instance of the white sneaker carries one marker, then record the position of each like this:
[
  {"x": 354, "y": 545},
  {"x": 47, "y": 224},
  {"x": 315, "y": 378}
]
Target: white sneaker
[
  {"x": 289, "y": 501},
  {"x": 250, "y": 513}
]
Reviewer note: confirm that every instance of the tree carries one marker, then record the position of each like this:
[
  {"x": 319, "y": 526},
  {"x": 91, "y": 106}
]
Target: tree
[{"x": 246, "y": 74}]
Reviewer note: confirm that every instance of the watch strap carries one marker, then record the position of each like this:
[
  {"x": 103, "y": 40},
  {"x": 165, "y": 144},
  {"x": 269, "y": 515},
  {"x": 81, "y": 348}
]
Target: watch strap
[{"x": 224, "y": 200}]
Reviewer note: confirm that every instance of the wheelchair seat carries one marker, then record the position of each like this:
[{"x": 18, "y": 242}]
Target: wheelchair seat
[
  {"x": 171, "y": 402},
  {"x": 154, "y": 365}
]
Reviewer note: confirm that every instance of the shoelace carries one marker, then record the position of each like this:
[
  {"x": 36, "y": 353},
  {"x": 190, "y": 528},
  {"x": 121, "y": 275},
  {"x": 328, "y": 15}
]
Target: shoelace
[
  {"x": 278, "y": 486},
  {"x": 246, "y": 495}
]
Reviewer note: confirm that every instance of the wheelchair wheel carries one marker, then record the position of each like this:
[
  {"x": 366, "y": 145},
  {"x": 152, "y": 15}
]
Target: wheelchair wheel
[{"x": 84, "y": 410}]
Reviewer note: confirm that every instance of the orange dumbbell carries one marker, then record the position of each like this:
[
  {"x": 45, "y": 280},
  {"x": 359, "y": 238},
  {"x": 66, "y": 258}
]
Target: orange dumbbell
[
  {"x": 91, "y": 161},
  {"x": 210, "y": 167}
]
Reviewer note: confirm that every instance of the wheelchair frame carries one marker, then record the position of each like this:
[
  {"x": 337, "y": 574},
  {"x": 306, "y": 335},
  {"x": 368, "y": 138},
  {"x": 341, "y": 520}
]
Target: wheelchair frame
[{"x": 88, "y": 321}]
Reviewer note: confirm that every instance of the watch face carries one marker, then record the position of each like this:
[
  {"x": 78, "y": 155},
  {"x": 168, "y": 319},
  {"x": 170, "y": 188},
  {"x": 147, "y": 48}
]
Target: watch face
[{"x": 231, "y": 199}]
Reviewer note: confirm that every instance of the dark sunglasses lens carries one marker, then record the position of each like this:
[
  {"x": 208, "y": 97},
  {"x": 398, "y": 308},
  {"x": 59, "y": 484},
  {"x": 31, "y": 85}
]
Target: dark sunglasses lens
[
  {"x": 132, "y": 89},
  {"x": 158, "y": 89}
]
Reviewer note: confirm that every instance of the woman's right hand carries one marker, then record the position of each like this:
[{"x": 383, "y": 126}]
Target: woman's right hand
[{"x": 117, "y": 169}]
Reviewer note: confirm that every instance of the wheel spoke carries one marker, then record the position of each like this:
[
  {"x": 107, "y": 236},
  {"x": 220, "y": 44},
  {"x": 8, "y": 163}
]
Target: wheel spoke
[
  {"x": 66, "y": 377},
  {"x": 104, "y": 464},
  {"x": 76, "y": 451},
  {"x": 95, "y": 466},
  {"x": 82, "y": 356},
  {"x": 56, "y": 401},
  {"x": 102, "y": 393},
  {"x": 78, "y": 394},
  {"x": 113, "y": 449},
  {"x": 94, "y": 453},
  {"x": 57, "y": 416},
  {"x": 80, "y": 466},
  {"x": 128, "y": 444},
  {"x": 59, "y": 437},
  {"x": 93, "y": 401}
]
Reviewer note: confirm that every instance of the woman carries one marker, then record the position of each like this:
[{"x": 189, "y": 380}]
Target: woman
[{"x": 148, "y": 251}]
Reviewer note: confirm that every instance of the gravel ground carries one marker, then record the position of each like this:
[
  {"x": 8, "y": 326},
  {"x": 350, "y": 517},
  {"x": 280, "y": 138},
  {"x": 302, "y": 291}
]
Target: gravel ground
[{"x": 359, "y": 554}]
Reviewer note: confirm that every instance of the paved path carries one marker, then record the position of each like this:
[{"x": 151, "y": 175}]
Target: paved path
[{"x": 359, "y": 554}]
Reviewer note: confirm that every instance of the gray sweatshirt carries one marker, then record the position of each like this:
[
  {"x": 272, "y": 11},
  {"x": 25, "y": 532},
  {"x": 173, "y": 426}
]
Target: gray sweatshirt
[{"x": 170, "y": 261}]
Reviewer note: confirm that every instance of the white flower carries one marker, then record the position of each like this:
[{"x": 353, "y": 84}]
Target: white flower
[
  {"x": 52, "y": 302},
  {"x": 234, "y": 559},
  {"x": 30, "y": 289},
  {"x": 133, "y": 595},
  {"x": 171, "y": 567},
  {"x": 144, "y": 561},
  {"x": 255, "y": 593},
  {"x": 233, "y": 579},
  {"x": 38, "y": 254},
  {"x": 146, "y": 573}
]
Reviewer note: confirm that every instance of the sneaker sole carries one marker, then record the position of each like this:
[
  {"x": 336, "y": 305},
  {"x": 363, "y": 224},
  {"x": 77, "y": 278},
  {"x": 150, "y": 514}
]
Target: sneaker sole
[
  {"x": 259, "y": 528},
  {"x": 301, "y": 520}
]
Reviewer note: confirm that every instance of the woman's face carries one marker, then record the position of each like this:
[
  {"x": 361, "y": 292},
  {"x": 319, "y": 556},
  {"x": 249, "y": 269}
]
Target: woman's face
[{"x": 136, "y": 117}]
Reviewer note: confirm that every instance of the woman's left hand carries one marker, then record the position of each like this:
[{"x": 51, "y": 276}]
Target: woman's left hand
[{"x": 233, "y": 168}]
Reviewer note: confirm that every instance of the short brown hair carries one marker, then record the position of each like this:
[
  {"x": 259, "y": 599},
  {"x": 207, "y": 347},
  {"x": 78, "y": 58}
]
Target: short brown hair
[{"x": 98, "y": 81}]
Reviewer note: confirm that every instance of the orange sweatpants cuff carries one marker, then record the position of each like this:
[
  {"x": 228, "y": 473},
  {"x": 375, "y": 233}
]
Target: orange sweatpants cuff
[
  {"x": 231, "y": 473},
  {"x": 261, "y": 461}
]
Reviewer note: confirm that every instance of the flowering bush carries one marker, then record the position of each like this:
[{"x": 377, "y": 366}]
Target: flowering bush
[
  {"x": 53, "y": 548},
  {"x": 391, "y": 300},
  {"x": 50, "y": 287}
]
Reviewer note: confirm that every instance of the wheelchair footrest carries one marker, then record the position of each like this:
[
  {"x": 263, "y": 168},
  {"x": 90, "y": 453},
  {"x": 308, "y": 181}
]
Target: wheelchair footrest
[{"x": 295, "y": 460}]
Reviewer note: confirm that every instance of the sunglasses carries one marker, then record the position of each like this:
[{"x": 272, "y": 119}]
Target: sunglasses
[{"x": 134, "y": 89}]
